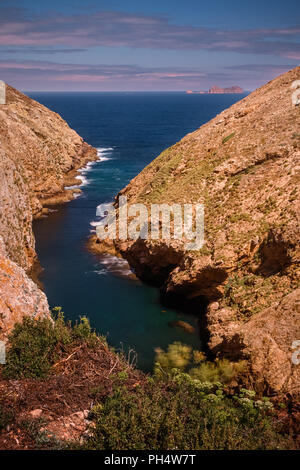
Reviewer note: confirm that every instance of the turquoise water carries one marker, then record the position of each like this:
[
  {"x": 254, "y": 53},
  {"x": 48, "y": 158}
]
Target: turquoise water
[{"x": 129, "y": 130}]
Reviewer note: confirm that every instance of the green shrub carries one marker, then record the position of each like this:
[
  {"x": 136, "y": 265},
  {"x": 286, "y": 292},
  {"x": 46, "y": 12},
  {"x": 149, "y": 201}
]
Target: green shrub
[
  {"x": 36, "y": 344},
  {"x": 181, "y": 356},
  {"x": 31, "y": 350},
  {"x": 181, "y": 414},
  {"x": 228, "y": 138},
  {"x": 82, "y": 331},
  {"x": 177, "y": 356},
  {"x": 219, "y": 371},
  {"x": 122, "y": 375}
]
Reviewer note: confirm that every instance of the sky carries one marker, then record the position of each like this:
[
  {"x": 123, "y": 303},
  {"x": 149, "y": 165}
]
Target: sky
[{"x": 138, "y": 45}]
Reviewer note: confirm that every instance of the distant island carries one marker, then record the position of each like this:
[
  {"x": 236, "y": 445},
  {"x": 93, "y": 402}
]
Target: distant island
[{"x": 216, "y": 90}]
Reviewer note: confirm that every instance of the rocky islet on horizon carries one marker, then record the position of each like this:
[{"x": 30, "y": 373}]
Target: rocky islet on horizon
[{"x": 216, "y": 90}]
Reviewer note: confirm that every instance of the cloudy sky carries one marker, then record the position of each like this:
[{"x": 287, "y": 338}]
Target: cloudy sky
[{"x": 114, "y": 45}]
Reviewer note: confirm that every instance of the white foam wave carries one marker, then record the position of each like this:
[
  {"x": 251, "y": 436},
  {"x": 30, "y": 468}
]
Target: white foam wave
[
  {"x": 113, "y": 265},
  {"x": 81, "y": 178},
  {"x": 76, "y": 195},
  {"x": 104, "y": 149},
  {"x": 95, "y": 223},
  {"x": 100, "y": 272},
  {"x": 102, "y": 153}
]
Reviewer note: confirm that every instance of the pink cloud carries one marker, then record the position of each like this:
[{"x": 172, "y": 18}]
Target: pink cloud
[
  {"x": 44, "y": 75},
  {"x": 113, "y": 29}
]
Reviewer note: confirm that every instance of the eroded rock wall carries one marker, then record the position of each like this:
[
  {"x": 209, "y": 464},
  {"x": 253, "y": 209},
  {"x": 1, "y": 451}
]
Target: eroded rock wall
[{"x": 39, "y": 156}]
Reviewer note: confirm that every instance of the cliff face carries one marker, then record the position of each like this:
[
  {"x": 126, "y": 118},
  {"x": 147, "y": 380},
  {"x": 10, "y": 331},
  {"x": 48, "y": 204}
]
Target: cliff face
[
  {"x": 244, "y": 167},
  {"x": 19, "y": 295},
  {"x": 39, "y": 156}
]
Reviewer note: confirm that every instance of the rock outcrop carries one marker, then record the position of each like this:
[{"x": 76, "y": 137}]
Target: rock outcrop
[
  {"x": 244, "y": 167},
  {"x": 19, "y": 295},
  {"x": 39, "y": 156}
]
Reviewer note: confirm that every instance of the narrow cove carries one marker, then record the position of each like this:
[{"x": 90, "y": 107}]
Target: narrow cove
[{"x": 129, "y": 130}]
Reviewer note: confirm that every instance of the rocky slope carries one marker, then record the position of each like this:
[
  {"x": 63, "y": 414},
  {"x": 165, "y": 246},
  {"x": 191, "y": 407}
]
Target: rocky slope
[
  {"x": 19, "y": 295},
  {"x": 39, "y": 156},
  {"x": 244, "y": 167}
]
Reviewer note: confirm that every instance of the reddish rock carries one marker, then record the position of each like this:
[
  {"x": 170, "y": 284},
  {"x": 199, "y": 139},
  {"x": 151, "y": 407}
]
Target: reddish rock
[
  {"x": 37, "y": 413},
  {"x": 39, "y": 156},
  {"x": 19, "y": 295}
]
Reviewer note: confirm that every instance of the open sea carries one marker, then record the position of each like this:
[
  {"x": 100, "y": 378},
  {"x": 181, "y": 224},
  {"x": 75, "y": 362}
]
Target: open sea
[{"x": 129, "y": 130}]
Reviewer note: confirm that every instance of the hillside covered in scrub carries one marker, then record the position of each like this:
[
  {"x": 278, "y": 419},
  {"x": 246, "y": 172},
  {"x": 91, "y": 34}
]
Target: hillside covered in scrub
[
  {"x": 63, "y": 387},
  {"x": 243, "y": 166}
]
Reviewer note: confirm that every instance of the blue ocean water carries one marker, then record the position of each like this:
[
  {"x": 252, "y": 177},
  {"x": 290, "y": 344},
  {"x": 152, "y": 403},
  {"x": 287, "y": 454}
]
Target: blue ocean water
[{"x": 129, "y": 130}]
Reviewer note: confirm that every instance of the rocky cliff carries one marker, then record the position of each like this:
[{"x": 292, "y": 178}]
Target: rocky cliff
[
  {"x": 19, "y": 295},
  {"x": 244, "y": 167},
  {"x": 39, "y": 156}
]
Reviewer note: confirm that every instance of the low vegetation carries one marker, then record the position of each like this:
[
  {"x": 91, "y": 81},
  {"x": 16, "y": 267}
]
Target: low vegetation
[
  {"x": 182, "y": 357},
  {"x": 35, "y": 345},
  {"x": 179, "y": 412},
  {"x": 185, "y": 404}
]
